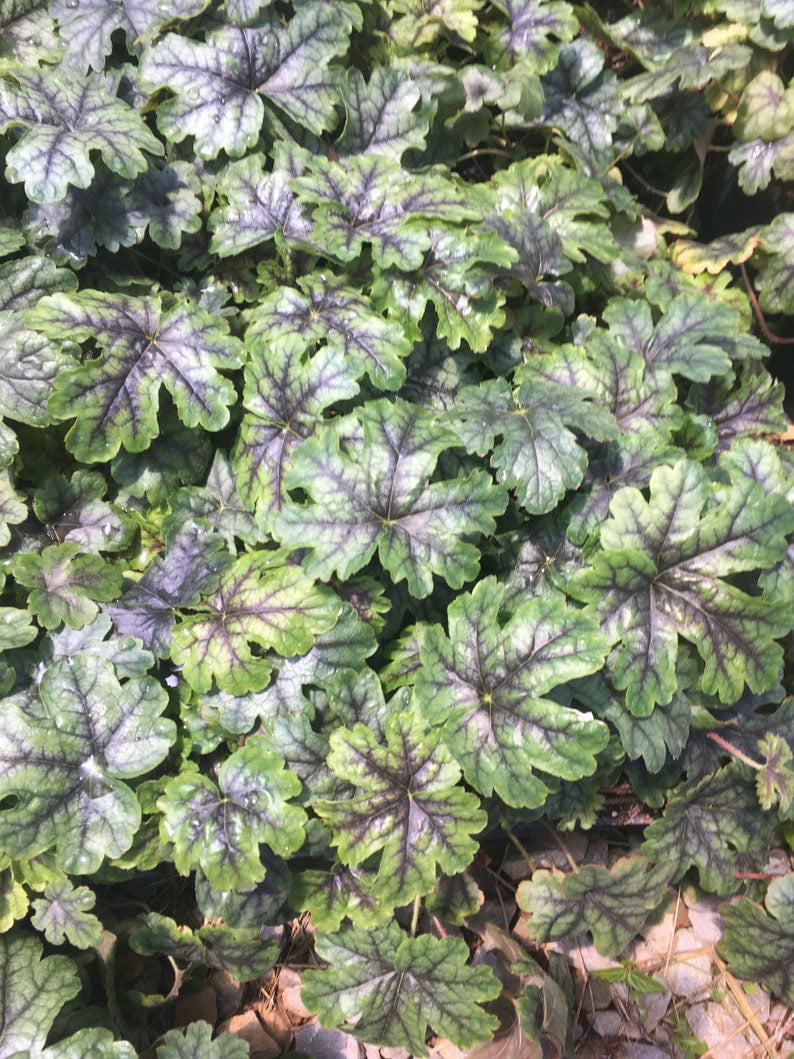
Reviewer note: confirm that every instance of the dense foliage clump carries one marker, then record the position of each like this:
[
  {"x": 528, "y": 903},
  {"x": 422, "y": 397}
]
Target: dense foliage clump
[{"x": 388, "y": 461}]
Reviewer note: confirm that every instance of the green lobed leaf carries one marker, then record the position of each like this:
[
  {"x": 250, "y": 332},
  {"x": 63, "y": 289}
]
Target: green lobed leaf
[
  {"x": 355, "y": 335},
  {"x": 64, "y": 759},
  {"x": 382, "y": 117},
  {"x": 612, "y": 904},
  {"x": 662, "y": 574},
  {"x": 218, "y": 84},
  {"x": 115, "y": 397},
  {"x": 63, "y": 119},
  {"x": 775, "y": 781},
  {"x": 219, "y": 828},
  {"x": 387, "y": 988},
  {"x": 126, "y": 654},
  {"x": 245, "y": 954},
  {"x": 708, "y": 825},
  {"x": 286, "y": 393},
  {"x": 218, "y": 502},
  {"x": 375, "y": 492},
  {"x": 484, "y": 688},
  {"x": 259, "y": 600},
  {"x": 408, "y": 807},
  {"x": 89, "y": 25},
  {"x": 196, "y": 1039},
  {"x": 538, "y": 455},
  {"x": 65, "y": 585},
  {"x": 759, "y": 945},
  {"x": 64, "y": 914},
  {"x": 33, "y": 990}
]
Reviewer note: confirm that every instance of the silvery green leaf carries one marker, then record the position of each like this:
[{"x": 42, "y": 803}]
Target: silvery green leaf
[
  {"x": 62, "y": 119},
  {"x": 219, "y": 84}
]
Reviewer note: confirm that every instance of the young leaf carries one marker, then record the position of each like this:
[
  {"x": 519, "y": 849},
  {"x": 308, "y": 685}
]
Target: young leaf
[
  {"x": 246, "y": 954},
  {"x": 196, "y": 1039},
  {"x": 219, "y": 828},
  {"x": 708, "y": 826},
  {"x": 15, "y": 628},
  {"x": 484, "y": 688},
  {"x": 218, "y": 503},
  {"x": 258, "y": 600},
  {"x": 662, "y": 573},
  {"x": 758, "y": 945},
  {"x": 33, "y": 990},
  {"x": 63, "y": 119},
  {"x": 115, "y": 397},
  {"x": 63, "y": 913},
  {"x": 387, "y": 988},
  {"x": 612, "y": 905},
  {"x": 408, "y": 807},
  {"x": 218, "y": 84},
  {"x": 376, "y": 493},
  {"x": 538, "y": 455},
  {"x": 775, "y": 782},
  {"x": 63, "y": 760},
  {"x": 357, "y": 337},
  {"x": 65, "y": 584}
]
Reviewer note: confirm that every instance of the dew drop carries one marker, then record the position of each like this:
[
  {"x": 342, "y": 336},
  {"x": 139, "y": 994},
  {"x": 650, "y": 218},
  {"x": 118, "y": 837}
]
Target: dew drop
[{"x": 193, "y": 92}]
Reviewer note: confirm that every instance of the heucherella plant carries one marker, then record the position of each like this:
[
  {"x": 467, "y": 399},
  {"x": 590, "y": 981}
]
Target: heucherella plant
[{"x": 387, "y": 462}]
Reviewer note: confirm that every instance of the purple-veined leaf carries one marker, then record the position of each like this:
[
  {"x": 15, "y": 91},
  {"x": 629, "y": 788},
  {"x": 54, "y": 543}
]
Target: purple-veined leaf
[
  {"x": 192, "y": 566},
  {"x": 484, "y": 688},
  {"x": 381, "y": 114},
  {"x": 33, "y": 990},
  {"x": 456, "y": 277},
  {"x": 708, "y": 825},
  {"x": 612, "y": 905},
  {"x": 775, "y": 280},
  {"x": 218, "y": 503},
  {"x": 65, "y": 757},
  {"x": 662, "y": 574},
  {"x": 538, "y": 455},
  {"x": 758, "y": 160},
  {"x": 218, "y": 84},
  {"x": 373, "y": 491},
  {"x": 66, "y": 584},
  {"x": 286, "y": 393},
  {"x": 126, "y": 654},
  {"x": 408, "y": 807},
  {"x": 259, "y": 600},
  {"x": 63, "y": 119},
  {"x": 12, "y": 507},
  {"x": 372, "y": 201},
  {"x": 73, "y": 510},
  {"x": 64, "y": 913},
  {"x": 257, "y": 205},
  {"x": 146, "y": 345},
  {"x": 759, "y": 945},
  {"x": 533, "y": 24},
  {"x": 219, "y": 827},
  {"x": 388, "y": 988},
  {"x": 775, "y": 781},
  {"x": 337, "y": 894},
  {"x": 325, "y": 310},
  {"x": 246, "y": 953},
  {"x": 538, "y": 256},
  {"x": 242, "y": 909},
  {"x": 751, "y": 406},
  {"x": 89, "y": 25}
]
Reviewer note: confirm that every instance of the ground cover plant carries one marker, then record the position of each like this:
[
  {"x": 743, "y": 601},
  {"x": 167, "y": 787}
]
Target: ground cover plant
[{"x": 388, "y": 465}]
